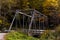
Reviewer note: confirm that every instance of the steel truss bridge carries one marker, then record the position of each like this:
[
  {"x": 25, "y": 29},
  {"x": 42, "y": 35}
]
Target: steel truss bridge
[{"x": 32, "y": 20}]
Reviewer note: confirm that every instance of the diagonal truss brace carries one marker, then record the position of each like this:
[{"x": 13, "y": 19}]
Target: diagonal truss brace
[{"x": 17, "y": 12}]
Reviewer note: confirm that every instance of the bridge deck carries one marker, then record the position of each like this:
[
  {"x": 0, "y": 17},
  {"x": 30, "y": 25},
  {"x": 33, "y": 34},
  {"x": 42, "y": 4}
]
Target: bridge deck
[{"x": 35, "y": 31}]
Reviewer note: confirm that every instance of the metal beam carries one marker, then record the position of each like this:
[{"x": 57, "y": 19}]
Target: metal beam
[
  {"x": 24, "y": 14},
  {"x": 12, "y": 22},
  {"x": 39, "y": 13},
  {"x": 15, "y": 17},
  {"x": 30, "y": 25}
]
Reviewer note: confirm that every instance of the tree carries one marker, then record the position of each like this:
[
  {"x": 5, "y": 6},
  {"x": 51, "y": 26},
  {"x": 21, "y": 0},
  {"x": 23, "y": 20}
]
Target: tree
[
  {"x": 50, "y": 5},
  {"x": 25, "y": 4},
  {"x": 35, "y": 4}
]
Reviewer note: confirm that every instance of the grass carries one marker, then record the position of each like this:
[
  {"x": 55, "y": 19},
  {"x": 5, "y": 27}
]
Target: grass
[
  {"x": 14, "y": 35},
  {"x": 47, "y": 35}
]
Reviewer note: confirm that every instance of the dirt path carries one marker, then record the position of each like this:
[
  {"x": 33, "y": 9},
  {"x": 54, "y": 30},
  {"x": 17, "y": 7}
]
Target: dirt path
[{"x": 2, "y": 36}]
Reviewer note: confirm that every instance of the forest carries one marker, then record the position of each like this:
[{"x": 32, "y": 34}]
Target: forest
[{"x": 49, "y": 8}]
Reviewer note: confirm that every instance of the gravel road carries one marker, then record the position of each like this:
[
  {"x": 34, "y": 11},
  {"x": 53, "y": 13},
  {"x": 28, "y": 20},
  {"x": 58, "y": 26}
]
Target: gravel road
[{"x": 2, "y": 36}]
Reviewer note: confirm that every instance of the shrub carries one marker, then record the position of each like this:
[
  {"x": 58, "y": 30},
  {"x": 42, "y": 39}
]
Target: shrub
[
  {"x": 14, "y": 35},
  {"x": 49, "y": 35}
]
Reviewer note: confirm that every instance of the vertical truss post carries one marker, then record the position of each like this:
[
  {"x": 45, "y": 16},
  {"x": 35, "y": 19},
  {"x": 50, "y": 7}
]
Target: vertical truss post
[
  {"x": 39, "y": 23},
  {"x": 23, "y": 23}
]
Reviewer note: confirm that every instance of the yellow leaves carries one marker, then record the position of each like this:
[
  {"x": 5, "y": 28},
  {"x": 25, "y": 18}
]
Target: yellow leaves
[
  {"x": 0, "y": 21},
  {"x": 49, "y": 5},
  {"x": 53, "y": 3},
  {"x": 11, "y": 1},
  {"x": 25, "y": 4},
  {"x": 7, "y": 24}
]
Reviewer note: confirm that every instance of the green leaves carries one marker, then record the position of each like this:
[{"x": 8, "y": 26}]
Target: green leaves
[
  {"x": 0, "y": 21},
  {"x": 18, "y": 36}
]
